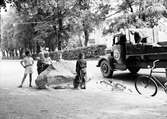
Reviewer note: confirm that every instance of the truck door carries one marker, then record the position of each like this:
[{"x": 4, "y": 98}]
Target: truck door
[{"x": 119, "y": 49}]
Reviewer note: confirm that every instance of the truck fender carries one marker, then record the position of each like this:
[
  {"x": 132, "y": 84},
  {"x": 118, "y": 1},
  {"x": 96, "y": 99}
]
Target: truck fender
[{"x": 108, "y": 58}]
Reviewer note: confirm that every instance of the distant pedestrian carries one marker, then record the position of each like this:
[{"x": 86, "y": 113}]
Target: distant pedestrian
[
  {"x": 81, "y": 66},
  {"x": 27, "y": 63}
]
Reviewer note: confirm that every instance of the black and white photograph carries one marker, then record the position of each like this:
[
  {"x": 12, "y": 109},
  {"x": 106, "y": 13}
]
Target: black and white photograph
[{"x": 83, "y": 59}]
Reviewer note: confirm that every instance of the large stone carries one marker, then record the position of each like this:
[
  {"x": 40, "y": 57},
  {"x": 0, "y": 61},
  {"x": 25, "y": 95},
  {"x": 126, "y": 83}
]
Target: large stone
[{"x": 57, "y": 73}]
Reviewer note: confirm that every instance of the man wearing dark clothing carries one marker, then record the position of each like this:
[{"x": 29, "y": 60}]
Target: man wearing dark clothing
[
  {"x": 121, "y": 36},
  {"x": 41, "y": 65},
  {"x": 81, "y": 72},
  {"x": 137, "y": 36}
]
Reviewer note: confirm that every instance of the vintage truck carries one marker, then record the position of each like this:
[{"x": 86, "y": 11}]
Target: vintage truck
[{"x": 132, "y": 56}]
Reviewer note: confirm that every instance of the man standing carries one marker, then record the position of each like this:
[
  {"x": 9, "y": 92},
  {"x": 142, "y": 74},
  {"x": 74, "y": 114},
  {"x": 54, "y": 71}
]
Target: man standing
[{"x": 81, "y": 72}]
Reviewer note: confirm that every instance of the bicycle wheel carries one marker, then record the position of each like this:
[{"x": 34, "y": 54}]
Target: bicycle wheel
[{"x": 146, "y": 85}]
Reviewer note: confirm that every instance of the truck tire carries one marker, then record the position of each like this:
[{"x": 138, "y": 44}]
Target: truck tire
[
  {"x": 133, "y": 65},
  {"x": 106, "y": 69}
]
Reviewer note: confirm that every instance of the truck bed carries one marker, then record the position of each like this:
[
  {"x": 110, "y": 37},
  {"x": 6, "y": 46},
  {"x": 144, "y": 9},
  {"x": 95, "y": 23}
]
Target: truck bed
[
  {"x": 148, "y": 53},
  {"x": 141, "y": 49}
]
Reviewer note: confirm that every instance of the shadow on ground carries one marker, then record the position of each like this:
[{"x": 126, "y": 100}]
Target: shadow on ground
[{"x": 129, "y": 77}]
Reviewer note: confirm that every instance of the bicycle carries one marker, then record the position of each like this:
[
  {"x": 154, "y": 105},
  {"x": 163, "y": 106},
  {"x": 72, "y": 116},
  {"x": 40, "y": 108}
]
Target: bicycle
[{"x": 148, "y": 84}]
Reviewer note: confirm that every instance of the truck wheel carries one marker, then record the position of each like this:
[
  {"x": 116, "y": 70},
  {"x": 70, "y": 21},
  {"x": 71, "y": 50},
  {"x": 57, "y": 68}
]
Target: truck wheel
[
  {"x": 106, "y": 69},
  {"x": 133, "y": 65}
]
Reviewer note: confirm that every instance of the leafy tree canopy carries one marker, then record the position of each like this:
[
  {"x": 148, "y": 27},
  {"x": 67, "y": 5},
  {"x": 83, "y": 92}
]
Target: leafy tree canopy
[
  {"x": 54, "y": 21},
  {"x": 139, "y": 13}
]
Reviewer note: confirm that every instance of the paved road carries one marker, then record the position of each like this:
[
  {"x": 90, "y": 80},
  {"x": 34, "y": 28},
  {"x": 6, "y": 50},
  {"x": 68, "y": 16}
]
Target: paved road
[{"x": 94, "y": 103}]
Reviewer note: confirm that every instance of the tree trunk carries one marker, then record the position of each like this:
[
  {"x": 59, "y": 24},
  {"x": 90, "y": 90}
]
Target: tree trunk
[
  {"x": 80, "y": 41},
  {"x": 7, "y": 53},
  {"x": 21, "y": 52},
  {"x": 38, "y": 48},
  {"x": 60, "y": 23},
  {"x": 130, "y": 5},
  {"x": 59, "y": 30},
  {"x": 86, "y": 34},
  {"x": 131, "y": 9}
]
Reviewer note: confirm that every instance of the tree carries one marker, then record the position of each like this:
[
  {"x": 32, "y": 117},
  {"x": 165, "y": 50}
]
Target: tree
[
  {"x": 2, "y": 3},
  {"x": 24, "y": 34},
  {"x": 49, "y": 16},
  {"x": 89, "y": 14},
  {"x": 52, "y": 18},
  {"x": 139, "y": 13},
  {"x": 16, "y": 35},
  {"x": 7, "y": 34},
  {"x": 0, "y": 30}
]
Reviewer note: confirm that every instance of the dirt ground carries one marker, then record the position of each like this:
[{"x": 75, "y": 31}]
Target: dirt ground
[{"x": 96, "y": 102}]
